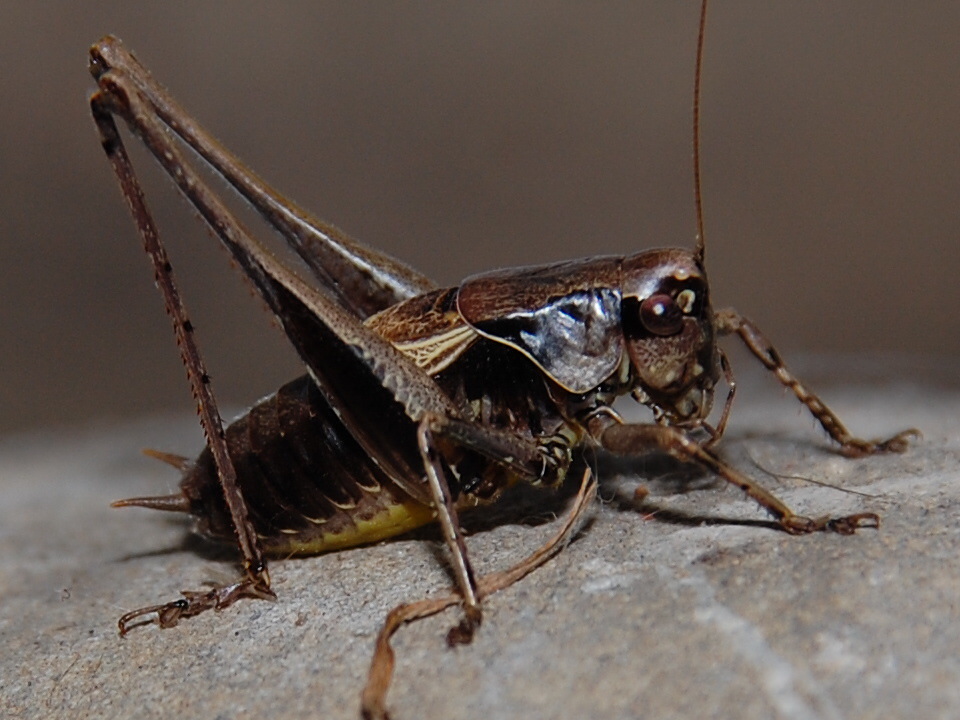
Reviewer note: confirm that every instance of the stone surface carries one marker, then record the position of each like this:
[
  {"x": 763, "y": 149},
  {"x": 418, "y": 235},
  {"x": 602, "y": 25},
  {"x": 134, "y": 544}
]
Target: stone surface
[{"x": 674, "y": 615}]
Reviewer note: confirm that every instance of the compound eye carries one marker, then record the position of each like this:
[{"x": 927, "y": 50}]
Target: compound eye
[{"x": 661, "y": 315}]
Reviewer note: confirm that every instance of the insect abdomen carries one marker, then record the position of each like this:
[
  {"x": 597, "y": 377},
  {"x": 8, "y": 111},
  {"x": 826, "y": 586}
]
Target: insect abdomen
[{"x": 308, "y": 485}]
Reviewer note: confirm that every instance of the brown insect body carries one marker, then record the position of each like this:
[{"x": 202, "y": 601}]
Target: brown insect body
[
  {"x": 419, "y": 400},
  {"x": 540, "y": 365}
]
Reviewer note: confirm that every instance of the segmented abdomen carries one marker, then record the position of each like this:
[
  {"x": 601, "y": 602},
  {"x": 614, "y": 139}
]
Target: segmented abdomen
[{"x": 308, "y": 485}]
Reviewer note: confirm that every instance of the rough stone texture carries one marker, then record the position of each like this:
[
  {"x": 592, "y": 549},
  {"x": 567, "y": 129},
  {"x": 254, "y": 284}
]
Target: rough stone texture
[{"x": 666, "y": 617}]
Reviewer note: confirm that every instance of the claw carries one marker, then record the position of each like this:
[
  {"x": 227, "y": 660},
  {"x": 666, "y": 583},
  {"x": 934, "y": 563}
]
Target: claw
[
  {"x": 195, "y": 602},
  {"x": 462, "y": 634},
  {"x": 896, "y": 444},
  {"x": 850, "y": 524},
  {"x": 899, "y": 442},
  {"x": 801, "y": 525}
]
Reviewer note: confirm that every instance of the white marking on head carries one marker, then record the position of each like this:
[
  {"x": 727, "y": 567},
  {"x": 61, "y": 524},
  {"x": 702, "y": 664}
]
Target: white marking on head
[{"x": 686, "y": 299}]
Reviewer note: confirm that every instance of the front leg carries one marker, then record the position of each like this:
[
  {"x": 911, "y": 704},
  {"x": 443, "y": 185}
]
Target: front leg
[
  {"x": 635, "y": 439},
  {"x": 729, "y": 321}
]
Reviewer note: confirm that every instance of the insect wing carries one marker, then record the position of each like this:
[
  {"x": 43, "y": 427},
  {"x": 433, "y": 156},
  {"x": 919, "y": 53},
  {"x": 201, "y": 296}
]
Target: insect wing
[{"x": 378, "y": 392}]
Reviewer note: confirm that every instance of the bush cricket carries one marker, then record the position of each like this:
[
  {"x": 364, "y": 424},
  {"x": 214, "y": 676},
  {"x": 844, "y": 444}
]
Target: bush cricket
[{"x": 421, "y": 401}]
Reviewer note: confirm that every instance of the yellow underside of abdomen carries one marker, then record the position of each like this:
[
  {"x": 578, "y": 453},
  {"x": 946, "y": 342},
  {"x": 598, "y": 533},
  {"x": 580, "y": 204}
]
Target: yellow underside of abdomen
[{"x": 390, "y": 522}]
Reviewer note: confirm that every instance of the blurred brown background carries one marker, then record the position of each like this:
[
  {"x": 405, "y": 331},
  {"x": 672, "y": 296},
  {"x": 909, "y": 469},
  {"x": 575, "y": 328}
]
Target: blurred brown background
[{"x": 462, "y": 136}]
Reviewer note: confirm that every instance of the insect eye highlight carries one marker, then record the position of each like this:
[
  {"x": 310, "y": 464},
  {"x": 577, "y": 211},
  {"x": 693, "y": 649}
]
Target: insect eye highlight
[{"x": 661, "y": 315}]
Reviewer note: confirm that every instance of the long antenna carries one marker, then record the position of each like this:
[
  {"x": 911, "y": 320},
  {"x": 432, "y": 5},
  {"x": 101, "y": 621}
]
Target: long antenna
[{"x": 700, "y": 247}]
